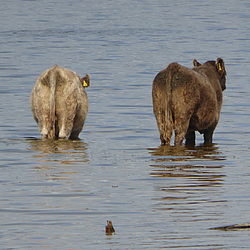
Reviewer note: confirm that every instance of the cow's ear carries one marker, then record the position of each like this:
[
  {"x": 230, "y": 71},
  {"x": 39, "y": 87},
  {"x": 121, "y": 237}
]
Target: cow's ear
[
  {"x": 220, "y": 66},
  {"x": 196, "y": 63},
  {"x": 85, "y": 81}
]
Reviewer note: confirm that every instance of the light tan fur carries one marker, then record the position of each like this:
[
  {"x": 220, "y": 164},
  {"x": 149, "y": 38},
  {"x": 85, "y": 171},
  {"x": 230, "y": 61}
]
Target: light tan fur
[{"x": 59, "y": 103}]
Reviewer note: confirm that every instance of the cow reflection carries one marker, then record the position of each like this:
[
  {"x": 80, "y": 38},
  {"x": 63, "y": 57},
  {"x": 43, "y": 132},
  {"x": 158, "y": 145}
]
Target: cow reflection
[
  {"x": 67, "y": 152},
  {"x": 186, "y": 176}
]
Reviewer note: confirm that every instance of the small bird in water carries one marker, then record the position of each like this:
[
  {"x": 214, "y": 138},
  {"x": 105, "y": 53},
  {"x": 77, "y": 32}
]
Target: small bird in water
[{"x": 109, "y": 227}]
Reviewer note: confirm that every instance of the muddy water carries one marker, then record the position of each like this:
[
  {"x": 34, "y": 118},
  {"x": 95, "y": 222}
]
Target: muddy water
[{"x": 59, "y": 194}]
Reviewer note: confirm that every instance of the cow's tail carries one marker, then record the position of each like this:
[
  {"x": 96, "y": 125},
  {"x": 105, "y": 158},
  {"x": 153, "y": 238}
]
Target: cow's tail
[
  {"x": 162, "y": 102},
  {"x": 52, "y": 119}
]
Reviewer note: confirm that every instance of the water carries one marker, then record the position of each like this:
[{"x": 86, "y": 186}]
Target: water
[{"x": 59, "y": 194}]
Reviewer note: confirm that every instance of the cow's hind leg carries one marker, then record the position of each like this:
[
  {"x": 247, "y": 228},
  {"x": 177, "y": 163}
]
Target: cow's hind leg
[
  {"x": 43, "y": 123},
  {"x": 166, "y": 130},
  {"x": 44, "y": 133},
  {"x": 65, "y": 127},
  {"x": 66, "y": 115},
  {"x": 181, "y": 128},
  {"x": 166, "y": 135},
  {"x": 77, "y": 128},
  {"x": 165, "y": 126},
  {"x": 74, "y": 135}
]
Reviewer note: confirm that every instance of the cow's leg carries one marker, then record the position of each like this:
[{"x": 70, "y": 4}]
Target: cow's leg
[
  {"x": 44, "y": 132},
  {"x": 165, "y": 136},
  {"x": 41, "y": 114},
  {"x": 75, "y": 133},
  {"x": 190, "y": 138},
  {"x": 208, "y": 135},
  {"x": 179, "y": 137},
  {"x": 65, "y": 113},
  {"x": 63, "y": 122},
  {"x": 166, "y": 131},
  {"x": 79, "y": 121},
  {"x": 65, "y": 125},
  {"x": 165, "y": 126},
  {"x": 181, "y": 128},
  {"x": 62, "y": 131},
  {"x": 43, "y": 123}
]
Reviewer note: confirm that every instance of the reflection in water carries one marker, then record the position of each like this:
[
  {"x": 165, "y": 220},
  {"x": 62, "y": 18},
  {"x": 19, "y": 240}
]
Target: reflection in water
[
  {"x": 67, "y": 152},
  {"x": 185, "y": 153},
  {"x": 187, "y": 176},
  {"x": 52, "y": 155}
]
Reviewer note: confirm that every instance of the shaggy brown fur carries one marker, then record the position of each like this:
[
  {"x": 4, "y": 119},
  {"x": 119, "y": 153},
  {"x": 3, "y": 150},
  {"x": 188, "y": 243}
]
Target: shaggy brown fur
[
  {"x": 59, "y": 103},
  {"x": 188, "y": 100}
]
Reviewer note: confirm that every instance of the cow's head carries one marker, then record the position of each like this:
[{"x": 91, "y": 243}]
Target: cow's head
[
  {"x": 220, "y": 68},
  {"x": 85, "y": 81}
]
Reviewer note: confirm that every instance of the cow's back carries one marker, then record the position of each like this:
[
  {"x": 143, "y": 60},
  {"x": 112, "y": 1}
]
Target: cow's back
[{"x": 58, "y": 92}]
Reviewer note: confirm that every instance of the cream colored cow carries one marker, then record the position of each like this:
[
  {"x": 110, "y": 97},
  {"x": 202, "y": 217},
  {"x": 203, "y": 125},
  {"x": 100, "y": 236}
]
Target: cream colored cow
[{"x": 59, "y": 103}]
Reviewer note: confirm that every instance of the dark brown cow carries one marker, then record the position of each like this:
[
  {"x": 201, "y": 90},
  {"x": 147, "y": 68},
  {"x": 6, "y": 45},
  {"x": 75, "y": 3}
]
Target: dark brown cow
[
  {"x": 59, "y": 103},
  {"x": 188, "y": 100}
]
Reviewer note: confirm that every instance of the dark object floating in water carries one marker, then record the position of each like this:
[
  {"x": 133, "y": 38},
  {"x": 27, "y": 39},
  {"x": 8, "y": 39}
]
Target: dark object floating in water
[
  {"x": 109, "y": 227},
  {"x": 233, "y": 227}
]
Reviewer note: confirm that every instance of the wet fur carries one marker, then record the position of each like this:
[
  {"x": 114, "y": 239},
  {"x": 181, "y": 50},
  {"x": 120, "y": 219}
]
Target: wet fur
[
  {"x": 59, "y": 103},
  {"x": 188, "y": 100}
]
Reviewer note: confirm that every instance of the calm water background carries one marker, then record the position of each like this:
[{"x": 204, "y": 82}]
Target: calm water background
[{"x": 59, "y": 195}]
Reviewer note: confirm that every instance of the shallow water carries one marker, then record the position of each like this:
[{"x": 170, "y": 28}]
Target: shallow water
[{"x": 59, "y": 194}]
